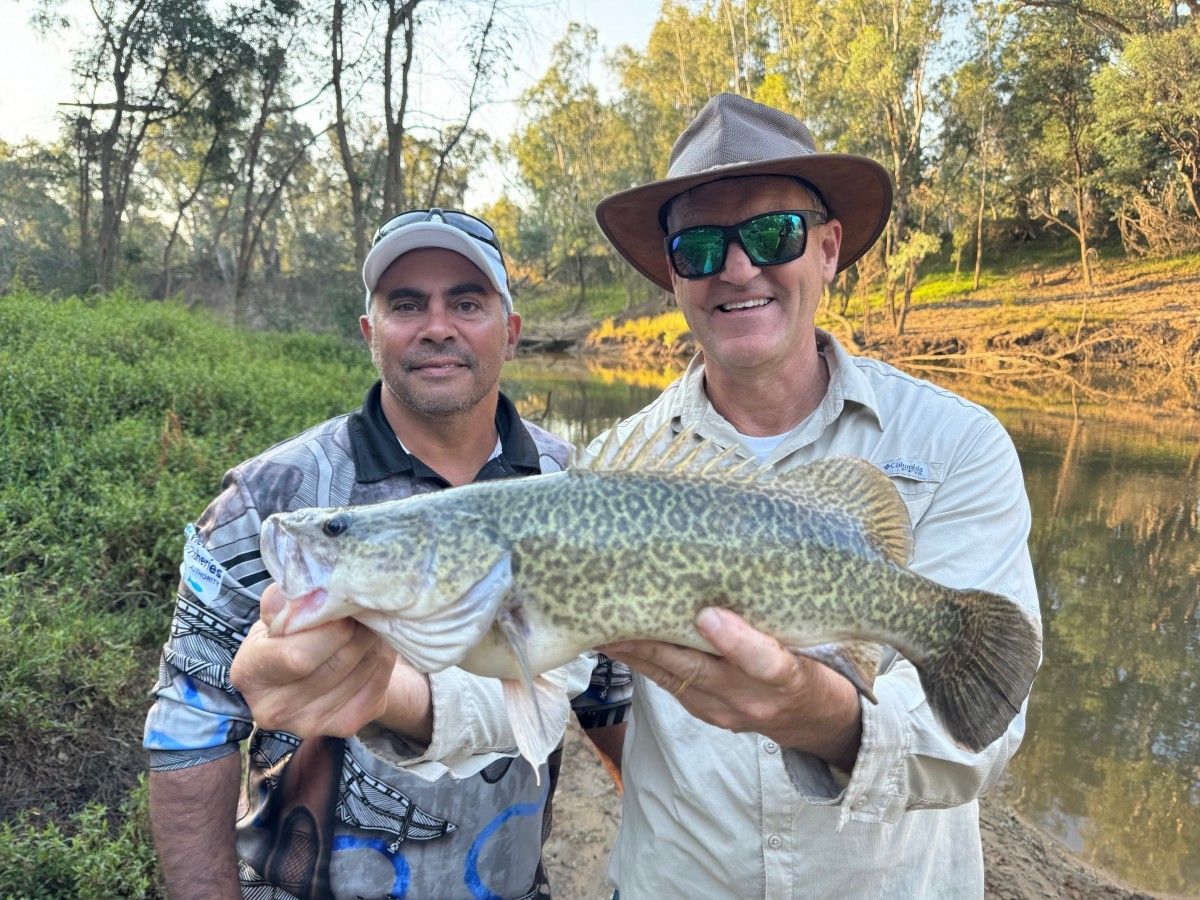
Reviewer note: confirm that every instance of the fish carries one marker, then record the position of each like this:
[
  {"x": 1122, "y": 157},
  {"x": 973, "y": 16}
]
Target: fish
[{"x": 513, "y": 578}]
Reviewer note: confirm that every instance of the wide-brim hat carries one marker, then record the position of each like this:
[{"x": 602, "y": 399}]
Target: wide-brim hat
[
  {"x": 429, "y": 233},
  {"x": 733, "y": 136}
]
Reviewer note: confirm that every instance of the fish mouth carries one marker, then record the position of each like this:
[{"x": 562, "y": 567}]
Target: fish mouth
[{"x": 297, "y": 575}]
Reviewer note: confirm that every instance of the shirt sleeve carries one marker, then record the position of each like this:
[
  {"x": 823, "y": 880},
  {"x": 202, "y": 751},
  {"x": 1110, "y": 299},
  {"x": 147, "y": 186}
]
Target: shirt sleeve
[
  {"x": 470, "y": 725},
  {"x": 973, "y": 535},
  {"x": 197, "y": 715}
]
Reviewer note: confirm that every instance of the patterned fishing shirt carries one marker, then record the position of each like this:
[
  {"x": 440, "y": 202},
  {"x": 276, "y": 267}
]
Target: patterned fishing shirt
[{"x": 370, "y": 816}]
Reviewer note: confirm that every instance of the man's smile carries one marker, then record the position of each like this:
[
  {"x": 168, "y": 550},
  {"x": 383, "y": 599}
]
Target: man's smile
[
  {"x": 438, "y": 365},
  {"x": 749, "y": 303}
]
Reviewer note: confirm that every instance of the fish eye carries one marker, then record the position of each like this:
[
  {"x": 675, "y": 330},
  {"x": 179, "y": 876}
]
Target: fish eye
[{"x": 337, "y": 525}]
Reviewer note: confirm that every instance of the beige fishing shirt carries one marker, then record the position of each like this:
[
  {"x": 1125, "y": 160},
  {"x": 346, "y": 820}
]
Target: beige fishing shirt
[{"x": 709, "y": 813}]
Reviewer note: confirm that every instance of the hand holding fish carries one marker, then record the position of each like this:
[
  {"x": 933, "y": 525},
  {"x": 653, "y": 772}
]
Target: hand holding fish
[
  {"x": 329, "y": 680},
  {"x": 754, "y": 685}
]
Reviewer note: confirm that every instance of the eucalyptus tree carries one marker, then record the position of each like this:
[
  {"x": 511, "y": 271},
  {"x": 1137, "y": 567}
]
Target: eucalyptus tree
[
  {"x": 692, "y": 54},
  {"x": 969, "y": 107},
  {"x": 143, "y": 62},
  {"x": 1148, "y": 114},
  {"x": 568, "y": 157},
  {"x": 35, "y": 217},
  {"x": 380, "y": 55},
  {"x": 1053, "y": 144}
]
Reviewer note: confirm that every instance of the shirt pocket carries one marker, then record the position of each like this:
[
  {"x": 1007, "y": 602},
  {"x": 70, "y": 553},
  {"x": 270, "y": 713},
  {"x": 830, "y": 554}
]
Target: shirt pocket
[{"x": 916, "y": 480}]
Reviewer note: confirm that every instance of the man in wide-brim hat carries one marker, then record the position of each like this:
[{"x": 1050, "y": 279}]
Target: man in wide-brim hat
[{"x": 753, "y": 771}]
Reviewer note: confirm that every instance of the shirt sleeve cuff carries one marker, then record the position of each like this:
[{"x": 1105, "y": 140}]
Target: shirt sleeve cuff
[
  {"x": 470, "y": 725},
  {"x": 876, "y": 790},
  {"x": 470, "y": 730}
]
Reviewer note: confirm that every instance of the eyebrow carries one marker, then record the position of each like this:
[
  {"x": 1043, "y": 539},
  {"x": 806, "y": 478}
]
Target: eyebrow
[{"x": 465, "y": 287}]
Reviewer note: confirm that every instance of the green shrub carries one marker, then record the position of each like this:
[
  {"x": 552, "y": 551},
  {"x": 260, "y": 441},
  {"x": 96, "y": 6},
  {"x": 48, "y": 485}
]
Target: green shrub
[
  {"x": 90, "y": 857},
  {"x": 118, "y": 419}
]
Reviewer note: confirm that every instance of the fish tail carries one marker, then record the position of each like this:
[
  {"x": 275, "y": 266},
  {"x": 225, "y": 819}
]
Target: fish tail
[{"x": 976, "y": 685}]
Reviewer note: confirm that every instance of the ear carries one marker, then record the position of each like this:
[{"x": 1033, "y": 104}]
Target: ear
[
  {"x": 830, "y": 245},
  {"x": 514, "y": 335},
  {"x": 364, "y": 325}
]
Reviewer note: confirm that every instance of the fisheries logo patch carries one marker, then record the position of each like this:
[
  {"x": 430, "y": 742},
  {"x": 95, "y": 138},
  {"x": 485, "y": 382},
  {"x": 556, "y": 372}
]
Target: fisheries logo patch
[{"x": 200, "y": 571}]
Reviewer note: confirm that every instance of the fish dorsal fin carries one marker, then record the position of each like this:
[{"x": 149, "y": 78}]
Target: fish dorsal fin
[
  {"x": 666, "y": 452},
  {"x": 856, "y": 488}
]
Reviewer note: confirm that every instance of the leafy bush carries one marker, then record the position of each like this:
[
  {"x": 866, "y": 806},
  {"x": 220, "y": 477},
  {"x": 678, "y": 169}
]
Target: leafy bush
[
  {"x": 90, "y": 858},
  {"x": 118, "y": 419}
]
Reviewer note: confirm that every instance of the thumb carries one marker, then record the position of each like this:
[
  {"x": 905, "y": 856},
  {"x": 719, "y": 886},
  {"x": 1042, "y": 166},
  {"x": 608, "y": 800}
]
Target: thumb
[
  {"x": 271, "y": 604},
  {"x": 757, "y": 654}
]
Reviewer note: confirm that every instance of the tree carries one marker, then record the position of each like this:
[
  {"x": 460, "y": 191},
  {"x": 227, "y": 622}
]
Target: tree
[
  {"x": 971, "y": 114},
  {"x": 568, "y": 158},
  {"x": 35, "y": 217},
  {"x": 147, "y": 62},
  {"x": 1051, "y": 63},
  {"x": 1148, "y": 116}
]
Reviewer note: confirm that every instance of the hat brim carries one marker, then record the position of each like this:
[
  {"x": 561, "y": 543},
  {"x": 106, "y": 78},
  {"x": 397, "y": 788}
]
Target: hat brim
[
  {"x": 856, "y": 190},
  {"x": 420, "y": 235}
]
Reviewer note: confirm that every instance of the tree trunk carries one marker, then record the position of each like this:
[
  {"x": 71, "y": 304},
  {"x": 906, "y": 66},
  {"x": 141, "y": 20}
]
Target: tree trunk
[
  {"x": 400, "y": 15},
  {"x": 581, "y": 300},
  {"x": 979, "y": 215},
  {"x": 353, "y": 179},
  {"x": 1080, "y": 191}
]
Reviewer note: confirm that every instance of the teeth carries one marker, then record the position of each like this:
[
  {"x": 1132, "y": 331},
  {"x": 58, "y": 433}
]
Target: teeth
[{"x": 745, "y": 304}]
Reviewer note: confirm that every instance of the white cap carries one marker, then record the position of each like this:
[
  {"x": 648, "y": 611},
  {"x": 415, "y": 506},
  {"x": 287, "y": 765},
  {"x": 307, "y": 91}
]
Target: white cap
[{"x": 417, "y": 235}]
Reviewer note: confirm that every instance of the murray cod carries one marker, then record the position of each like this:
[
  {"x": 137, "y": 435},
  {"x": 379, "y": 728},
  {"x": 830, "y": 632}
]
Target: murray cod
[{"x": 512, "y": 578}]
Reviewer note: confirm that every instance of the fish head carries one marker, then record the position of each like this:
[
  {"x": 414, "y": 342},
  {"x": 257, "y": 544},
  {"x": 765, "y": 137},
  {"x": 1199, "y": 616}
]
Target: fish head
[{"x": 428, "y": 580}]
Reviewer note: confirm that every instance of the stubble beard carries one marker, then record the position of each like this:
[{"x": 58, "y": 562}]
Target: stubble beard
[{"x": 429, "y": 405}]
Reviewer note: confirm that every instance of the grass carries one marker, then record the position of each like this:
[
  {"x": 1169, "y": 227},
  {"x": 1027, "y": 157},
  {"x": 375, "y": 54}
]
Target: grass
[
  {"x": 119, "y": 419},
  {"x": 553, "y": 303}
]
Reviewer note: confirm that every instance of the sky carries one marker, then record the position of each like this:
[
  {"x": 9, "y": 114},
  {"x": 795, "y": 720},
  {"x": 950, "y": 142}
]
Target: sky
[{"x": 35, "y": 71}]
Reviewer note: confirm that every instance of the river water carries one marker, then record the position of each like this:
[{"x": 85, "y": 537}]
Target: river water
[{"x": 1111, "y": 762}]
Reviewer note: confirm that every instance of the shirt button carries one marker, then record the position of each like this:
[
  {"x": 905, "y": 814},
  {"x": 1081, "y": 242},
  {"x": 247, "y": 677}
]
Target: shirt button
[
  {"x": 774, "y": 842},
  {"x": 770, "y": 746}
]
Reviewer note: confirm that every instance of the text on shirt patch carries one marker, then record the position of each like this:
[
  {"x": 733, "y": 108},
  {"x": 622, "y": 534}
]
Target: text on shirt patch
[
  {"x": 200, "y": 571},
  {"x": 917, "y": 469}
]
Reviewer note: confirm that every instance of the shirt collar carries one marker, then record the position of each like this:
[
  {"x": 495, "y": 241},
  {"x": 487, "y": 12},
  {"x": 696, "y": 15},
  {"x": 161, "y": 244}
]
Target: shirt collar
[
  {"x": 378, "y": 454},
  {"x": 847, "y": 384}
]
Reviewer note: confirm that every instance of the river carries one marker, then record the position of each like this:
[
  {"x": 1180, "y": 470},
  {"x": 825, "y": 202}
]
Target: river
[{"x": 1111, "y": 761}]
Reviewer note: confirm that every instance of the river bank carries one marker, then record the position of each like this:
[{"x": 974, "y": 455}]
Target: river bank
[
  {"x": 1035, "y": 324},
  {"x": 1020, "y": 862}
]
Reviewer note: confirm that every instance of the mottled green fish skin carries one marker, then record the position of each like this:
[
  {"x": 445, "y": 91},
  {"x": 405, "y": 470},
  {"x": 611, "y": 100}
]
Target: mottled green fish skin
[{"x": 600, "y": 557}]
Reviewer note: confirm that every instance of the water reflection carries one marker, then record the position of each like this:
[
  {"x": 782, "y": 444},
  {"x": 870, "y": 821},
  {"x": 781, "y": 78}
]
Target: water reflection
[{"x": 1111, "y": 764}]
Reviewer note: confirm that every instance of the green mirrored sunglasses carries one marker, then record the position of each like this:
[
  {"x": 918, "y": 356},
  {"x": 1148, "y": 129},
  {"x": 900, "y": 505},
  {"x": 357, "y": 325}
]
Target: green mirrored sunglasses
[{"x": 768, "y": 239}]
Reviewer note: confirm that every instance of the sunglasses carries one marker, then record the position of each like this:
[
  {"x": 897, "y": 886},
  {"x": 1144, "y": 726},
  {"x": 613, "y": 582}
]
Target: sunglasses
[
  {"x": 768, "y": 239},
  {"x": 464, "y": 222}
]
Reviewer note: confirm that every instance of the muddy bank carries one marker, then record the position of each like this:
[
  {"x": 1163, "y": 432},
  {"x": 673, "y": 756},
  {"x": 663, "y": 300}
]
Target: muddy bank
[
  {"x": 1138, "y": 316},
  {"x": 1021, "y": 863}
]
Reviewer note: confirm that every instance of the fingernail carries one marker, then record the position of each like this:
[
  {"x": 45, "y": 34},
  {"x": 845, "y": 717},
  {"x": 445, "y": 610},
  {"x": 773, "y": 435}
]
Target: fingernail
[{"x": 709, "y": 620}]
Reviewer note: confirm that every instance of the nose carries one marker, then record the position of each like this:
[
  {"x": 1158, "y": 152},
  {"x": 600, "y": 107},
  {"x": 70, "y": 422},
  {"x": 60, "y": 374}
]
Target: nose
[
  {"x": 738, "y": 267},
  {"x": 438, "y": 325}
]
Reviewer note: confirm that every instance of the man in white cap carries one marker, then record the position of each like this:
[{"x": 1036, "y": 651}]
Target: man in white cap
[
  {"x": 751, "y": 772},
  {"x": 366, "y": 778}
]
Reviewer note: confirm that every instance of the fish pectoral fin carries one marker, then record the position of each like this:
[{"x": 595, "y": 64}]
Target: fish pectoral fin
[
  {"x": 537, "y": 711},
  {"x": 856, "y": 661}
]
